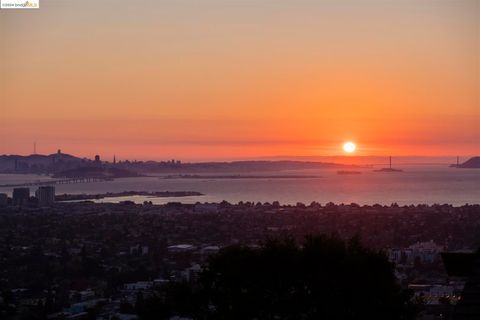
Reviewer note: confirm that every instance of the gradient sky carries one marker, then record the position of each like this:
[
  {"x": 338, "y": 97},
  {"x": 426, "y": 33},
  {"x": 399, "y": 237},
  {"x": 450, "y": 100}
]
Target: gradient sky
[{"x": 224, "y": 79}]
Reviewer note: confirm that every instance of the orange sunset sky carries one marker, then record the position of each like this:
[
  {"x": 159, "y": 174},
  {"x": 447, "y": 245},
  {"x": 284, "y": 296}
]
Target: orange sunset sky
[{"x": 231, "y": 79}]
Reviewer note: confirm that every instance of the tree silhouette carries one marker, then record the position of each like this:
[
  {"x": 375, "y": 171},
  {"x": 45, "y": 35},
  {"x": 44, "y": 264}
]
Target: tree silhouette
[{"x": 325, "y": 278}]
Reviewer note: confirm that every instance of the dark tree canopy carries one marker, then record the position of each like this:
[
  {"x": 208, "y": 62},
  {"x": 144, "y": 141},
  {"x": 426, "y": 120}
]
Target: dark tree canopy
[{"x": 325, "y": 278}]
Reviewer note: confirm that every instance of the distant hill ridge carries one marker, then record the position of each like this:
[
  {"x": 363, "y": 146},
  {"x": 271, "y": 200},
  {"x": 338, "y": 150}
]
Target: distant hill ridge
[
  {"x": 36, "y": 157},
  {"x": 471, "y": 163},
  {"x": 38, "y": 163}
]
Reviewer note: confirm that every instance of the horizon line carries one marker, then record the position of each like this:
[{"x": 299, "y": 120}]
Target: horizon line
[{"x": 264, "y": 158}]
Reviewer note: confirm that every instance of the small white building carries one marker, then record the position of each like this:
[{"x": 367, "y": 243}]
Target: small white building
[
  {"x": 140, "y": 285},
  {"x": 180, "y": 248}
]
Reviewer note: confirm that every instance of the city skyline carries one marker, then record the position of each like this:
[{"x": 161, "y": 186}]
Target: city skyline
[{"x": 342, "y": 157}]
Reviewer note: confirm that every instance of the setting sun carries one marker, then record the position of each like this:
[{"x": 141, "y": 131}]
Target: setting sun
[{"x": 349, "y": 147}]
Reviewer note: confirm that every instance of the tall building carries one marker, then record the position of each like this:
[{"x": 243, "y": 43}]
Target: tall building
[
  {"x": 45, "y": 196},
  {"x": 20, "y": 196},
  {"x": 3, "y": 199}
]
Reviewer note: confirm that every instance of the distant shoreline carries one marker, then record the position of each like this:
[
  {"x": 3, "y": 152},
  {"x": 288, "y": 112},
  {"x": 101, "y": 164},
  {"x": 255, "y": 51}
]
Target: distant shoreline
[
  {"x": 162, "y": 194},
  {"x": 196, "y": 176}
]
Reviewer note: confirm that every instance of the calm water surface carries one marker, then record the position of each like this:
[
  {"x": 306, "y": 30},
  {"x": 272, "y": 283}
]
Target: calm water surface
[{"x": 416, "y": 185}]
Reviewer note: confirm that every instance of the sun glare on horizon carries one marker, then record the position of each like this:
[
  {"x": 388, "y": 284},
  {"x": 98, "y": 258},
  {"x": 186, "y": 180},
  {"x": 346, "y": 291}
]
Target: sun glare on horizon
[{"x": 349, "y": 147}]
